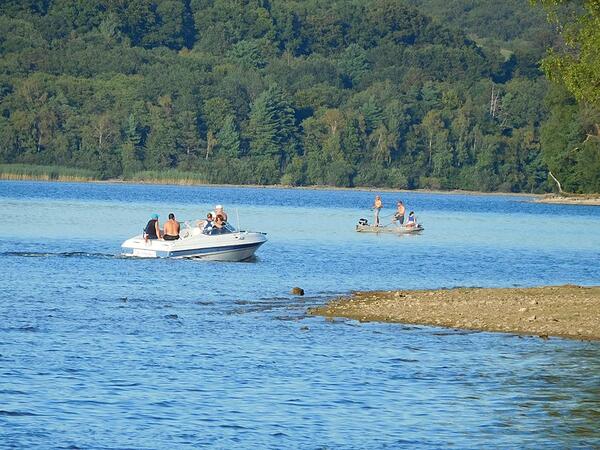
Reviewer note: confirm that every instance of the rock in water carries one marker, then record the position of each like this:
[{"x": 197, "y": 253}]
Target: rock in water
[{"x": 297, "y": 291}]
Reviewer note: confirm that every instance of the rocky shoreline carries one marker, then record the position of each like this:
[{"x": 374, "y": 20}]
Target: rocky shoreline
[
  {"x": 585, "y": 200},
  {"x": 566, "y": 311}
]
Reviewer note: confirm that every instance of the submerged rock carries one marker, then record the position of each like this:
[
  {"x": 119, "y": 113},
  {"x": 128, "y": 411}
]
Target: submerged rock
[{"x": 297, "y": 291}]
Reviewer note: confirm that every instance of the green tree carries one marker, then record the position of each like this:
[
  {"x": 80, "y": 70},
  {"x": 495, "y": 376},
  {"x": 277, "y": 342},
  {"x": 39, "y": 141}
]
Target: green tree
[
  {"x": 228, "y": 139},
  {"x": 577, "y": 65},
  {"x": 132, "y": 150},
  {"x": 272, "y": 127},
  {"x": 354, "y": 64}
]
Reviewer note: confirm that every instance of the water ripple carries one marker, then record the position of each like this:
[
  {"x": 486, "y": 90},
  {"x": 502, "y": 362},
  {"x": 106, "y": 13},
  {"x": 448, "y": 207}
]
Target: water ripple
[
  {"x": 173, "y": 354},
  {"x": 16, "y": 413}
]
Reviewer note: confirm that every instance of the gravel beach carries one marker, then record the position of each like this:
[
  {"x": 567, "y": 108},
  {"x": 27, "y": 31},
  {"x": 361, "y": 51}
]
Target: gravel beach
[
  {"x": 566, "y": 311},
  {"x": 584, "y": 200}
]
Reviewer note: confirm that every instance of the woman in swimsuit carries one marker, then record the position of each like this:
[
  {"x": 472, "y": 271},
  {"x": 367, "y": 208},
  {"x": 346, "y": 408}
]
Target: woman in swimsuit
[{"x": 412, "y": 220}]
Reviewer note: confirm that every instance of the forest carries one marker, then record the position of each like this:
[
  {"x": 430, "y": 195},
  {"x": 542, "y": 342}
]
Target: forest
[{"x": 433, "y": 94}]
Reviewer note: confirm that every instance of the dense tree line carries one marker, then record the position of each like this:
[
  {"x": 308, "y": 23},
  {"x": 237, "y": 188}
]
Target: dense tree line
[{"x": 347, "y": 93}]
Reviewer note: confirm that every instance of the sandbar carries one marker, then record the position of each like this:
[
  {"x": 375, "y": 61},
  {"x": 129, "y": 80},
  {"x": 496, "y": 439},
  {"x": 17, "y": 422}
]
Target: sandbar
[
  {"x": 567, "y": 311},
  {"x": 580, "y": 199}
]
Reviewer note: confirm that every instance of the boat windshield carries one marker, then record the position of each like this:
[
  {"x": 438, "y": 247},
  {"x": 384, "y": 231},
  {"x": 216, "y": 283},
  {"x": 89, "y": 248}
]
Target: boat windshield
[{"x": 225, "y": 230}]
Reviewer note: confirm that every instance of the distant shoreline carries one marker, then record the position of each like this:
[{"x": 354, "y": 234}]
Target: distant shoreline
[
  {"x": 564, "y": 311},
  {"x": 583, "y": 199},
  {"x": 169, "y": 182}
]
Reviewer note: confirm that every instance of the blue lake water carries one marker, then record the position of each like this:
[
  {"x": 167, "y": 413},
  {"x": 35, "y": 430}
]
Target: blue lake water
[{"x": 99, "y": 351}]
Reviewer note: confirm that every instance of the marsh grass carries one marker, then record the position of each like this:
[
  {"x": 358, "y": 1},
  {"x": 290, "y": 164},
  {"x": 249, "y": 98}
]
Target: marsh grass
[
  {"x": 171, "y": 176},
  {"x": 45, "y": 173}
]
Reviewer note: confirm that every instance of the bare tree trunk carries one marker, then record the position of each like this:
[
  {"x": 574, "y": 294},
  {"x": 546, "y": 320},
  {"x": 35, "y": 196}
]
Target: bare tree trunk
[
  {"x": 560, "y": 191},
  {"x": 211, "y": 141},
  {"x": 430, "y": 145},
  {"x": 494, "y": 103}
]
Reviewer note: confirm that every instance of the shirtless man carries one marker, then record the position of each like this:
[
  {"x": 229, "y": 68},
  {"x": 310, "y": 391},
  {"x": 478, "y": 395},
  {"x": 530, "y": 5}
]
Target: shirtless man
[
  {"x": 377, "y": 207},
  {"x": 399, "y": 216},
  {"x": 171, "y": 229}
]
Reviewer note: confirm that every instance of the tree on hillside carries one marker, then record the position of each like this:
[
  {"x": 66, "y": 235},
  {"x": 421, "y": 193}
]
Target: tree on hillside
[
  {"x": 228, "y": 139},
  {"x": 577, "y": 64},
  {"x": 577, "y": 67},
  {"x": 272, "y": 127}
]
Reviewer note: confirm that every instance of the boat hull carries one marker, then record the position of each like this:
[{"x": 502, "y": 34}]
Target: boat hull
[
  {"x": 238, "y": 246},
  {"x": 389, "y": 229}
]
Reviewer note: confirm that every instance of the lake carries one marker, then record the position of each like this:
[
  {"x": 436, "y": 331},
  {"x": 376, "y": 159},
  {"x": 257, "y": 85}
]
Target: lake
[{"x": 104, "y": 352}]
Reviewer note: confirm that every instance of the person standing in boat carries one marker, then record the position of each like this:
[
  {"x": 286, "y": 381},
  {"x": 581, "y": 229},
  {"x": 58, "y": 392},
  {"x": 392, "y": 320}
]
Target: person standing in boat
[
  {"x": 377, "y": 207},
  {"x": 400, "y": 210},
  {"x": 152, "y": 230},
  {"x": 171, "y": 229}
]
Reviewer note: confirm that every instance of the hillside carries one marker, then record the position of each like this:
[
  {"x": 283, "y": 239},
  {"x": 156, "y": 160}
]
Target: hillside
[{"x": 369, "y": 93}]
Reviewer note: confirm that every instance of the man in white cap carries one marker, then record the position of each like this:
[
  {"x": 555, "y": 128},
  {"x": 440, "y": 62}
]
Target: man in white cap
[{"x": 219, "y": 211}]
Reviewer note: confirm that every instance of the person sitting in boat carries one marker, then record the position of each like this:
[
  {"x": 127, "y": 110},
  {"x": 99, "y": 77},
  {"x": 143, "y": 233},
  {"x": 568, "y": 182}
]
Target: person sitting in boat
[
  {"x": 218, "y": 225},
  {"x": 171, "y": 229},
  {"x": 152, "y": 230},
  {"x": 399, "y": 215},
  {"x": 411, "y": 222},
  {"x": 377, "y": 207},
  {"x": 219, "y": 210},
  {"x": 206, "y": 226}
]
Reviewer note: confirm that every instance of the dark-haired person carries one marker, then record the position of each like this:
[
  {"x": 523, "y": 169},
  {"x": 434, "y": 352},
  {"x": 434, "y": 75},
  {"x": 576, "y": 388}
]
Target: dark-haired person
[
  {"x": 218, "y": 225},
  {"x": 411, "y": 222},
  {"x": 171, "y": 229},
  {"x": 220, "y": 211},
  {"x": 152, "y": 230},
  {"x": 206, "y": 225}
]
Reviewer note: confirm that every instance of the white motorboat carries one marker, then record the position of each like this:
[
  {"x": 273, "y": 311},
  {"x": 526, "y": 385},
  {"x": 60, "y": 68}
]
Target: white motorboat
[{"x": 227, "y": 245}]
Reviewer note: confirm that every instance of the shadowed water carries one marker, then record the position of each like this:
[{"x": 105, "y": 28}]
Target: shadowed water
[{"x": 100, "y": 351}]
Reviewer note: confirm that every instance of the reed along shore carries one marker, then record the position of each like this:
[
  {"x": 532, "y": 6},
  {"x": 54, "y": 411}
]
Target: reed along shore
[{"x": 566, "y": 311}]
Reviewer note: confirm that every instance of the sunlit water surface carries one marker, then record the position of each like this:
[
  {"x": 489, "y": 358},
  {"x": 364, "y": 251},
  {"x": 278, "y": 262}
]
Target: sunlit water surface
[{"x": 99, "y": 351}]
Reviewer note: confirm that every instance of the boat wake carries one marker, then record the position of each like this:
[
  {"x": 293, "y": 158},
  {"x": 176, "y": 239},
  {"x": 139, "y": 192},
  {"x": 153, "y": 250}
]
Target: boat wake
[{"x": 60, "y": 255}]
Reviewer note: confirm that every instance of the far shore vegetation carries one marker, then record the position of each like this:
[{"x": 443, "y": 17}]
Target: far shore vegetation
[
  {"x": 379, "y": 93},
  {"x": 30, "y": 172},
  {"x": 56, "y": 173},
  {"x": 46, "y": 173}
]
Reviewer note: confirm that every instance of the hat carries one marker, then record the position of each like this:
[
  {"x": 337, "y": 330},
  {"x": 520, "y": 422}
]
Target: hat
[
  {"x": 219, "y": 207},
  {"x": 154, "y": 216}
]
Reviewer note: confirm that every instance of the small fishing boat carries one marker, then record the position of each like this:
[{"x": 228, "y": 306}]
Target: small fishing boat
[
  {"x": 228, "y": 244},
  {"x": 363, "y": 227},
  {"x": 389, "y": 229}
]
